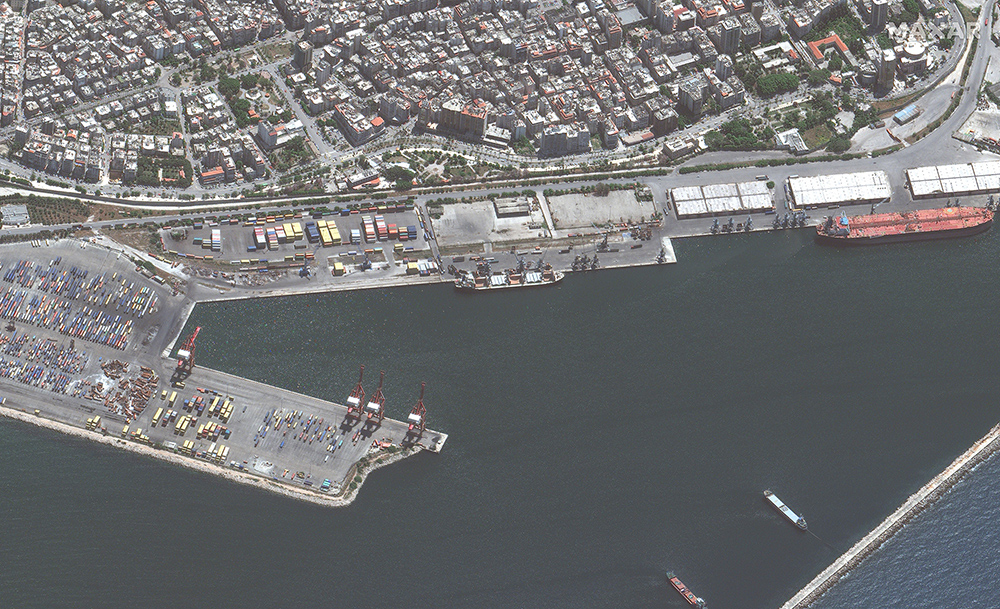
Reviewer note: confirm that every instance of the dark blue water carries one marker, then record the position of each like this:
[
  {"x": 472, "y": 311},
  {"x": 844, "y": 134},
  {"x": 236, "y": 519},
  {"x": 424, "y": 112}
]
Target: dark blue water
[
  {"x": 602, "y": 432},
  {"x": 947, "y": 557}
]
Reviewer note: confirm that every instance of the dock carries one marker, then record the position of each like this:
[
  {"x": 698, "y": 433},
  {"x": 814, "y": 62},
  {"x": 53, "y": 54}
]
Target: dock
[
  {"x": 916, "y": 503},
  {"x": 120, "y": 388}
]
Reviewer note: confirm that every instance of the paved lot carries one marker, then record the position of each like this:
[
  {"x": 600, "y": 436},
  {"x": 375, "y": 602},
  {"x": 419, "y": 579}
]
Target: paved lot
[
  {"x": 583, "y": 211},
  {"x": 474, "y": 223}
]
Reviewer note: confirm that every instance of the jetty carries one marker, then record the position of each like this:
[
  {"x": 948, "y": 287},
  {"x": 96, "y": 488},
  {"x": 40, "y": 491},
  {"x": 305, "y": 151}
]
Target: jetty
[{"x": 916, "y": 503}]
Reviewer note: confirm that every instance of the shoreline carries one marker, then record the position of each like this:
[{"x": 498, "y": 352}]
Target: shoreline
[
  {"x": 232, "y": 475},
  {"x": 916, "y": 503}
]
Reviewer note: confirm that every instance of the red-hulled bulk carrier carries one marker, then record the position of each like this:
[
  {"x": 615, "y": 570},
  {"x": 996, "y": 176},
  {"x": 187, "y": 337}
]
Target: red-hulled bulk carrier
[
  {"x": 682, "y": 589},
  {"x": 943, "y": 223}
]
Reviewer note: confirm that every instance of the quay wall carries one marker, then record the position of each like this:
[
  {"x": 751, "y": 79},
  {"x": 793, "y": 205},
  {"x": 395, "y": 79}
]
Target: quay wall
[{"x": 926, "y": 496}]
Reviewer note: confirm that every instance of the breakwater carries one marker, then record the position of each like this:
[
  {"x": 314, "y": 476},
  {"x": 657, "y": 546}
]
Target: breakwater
[{"x": 916, "y": 503}]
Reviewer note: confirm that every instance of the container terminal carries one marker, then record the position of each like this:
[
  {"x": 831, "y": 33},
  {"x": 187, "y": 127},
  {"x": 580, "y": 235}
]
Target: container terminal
[{"x": 84, "y": 344}]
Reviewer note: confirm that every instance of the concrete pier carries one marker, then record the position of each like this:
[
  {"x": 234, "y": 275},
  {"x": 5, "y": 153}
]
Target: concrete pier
[{"x": 927, "y": 495}]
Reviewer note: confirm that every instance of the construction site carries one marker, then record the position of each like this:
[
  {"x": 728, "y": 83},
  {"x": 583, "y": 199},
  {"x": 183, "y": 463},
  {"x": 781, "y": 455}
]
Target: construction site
[{"x": 97, "y": 346}]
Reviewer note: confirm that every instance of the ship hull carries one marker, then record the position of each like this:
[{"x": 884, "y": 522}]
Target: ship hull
[
  {"x": 930, "y": 235},
  {"x": 490, "y": 288}
]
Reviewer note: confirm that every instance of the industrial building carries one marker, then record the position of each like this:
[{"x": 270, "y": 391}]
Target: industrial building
[
  {"x": 838, "y": 189},
  {"x": 950, "y": 180},
  {"x": 721, "y": 199}
]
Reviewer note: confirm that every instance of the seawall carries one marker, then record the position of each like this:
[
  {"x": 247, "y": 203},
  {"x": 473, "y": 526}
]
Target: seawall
[{"x": 926, "y": 496}]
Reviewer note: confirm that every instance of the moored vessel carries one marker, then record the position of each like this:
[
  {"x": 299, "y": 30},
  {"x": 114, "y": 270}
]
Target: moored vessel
[
  {"x": 918, "y": 225},
  {"x": 484, "y": 278},
  {"x": 779, "y": 505},
  {"x": 689, "y": 596}
]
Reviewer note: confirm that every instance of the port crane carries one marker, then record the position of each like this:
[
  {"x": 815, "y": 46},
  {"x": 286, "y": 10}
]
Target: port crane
[
  {"x": 356, "y": 398},
  {"x": 417, "y": 418},
  {"x": 185, "y": 355},
  {"x": 376, "y": 407}
]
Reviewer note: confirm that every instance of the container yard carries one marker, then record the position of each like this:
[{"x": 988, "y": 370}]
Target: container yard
[
  {"x": 263, "y": 242},
  {"x": 82, "y": 346}
]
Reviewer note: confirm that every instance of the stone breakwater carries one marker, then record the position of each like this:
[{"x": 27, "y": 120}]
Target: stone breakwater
[{"x": 926, "y": 496}]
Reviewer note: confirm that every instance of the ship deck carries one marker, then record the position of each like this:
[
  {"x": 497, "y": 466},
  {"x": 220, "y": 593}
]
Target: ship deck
[{"x": 914, "y": 222}]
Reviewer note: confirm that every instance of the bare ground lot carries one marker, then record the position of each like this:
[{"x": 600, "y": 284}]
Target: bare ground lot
[
  {"x": 585, "y": 210},
  {"x": 476, "y": 222}
]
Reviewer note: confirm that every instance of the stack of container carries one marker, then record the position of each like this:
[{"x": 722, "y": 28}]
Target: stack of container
[
  {"x": 259, "y": 240},
  {"x": 355, "y": 236},
  {"x": 381, "y": 228},
  {"x": 216, "y": 240},
  {"x": 272, "y": 238},
  {"x": 280, "y": 232},
  {"x": 368, "y": 226},
  {"x": 411, "y": 233},
  {"x": 312, "y": 232}
]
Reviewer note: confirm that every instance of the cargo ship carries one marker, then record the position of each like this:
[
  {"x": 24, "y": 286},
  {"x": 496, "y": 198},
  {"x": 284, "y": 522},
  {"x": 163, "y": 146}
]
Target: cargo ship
[
  {"x": 779, "y": 505},
  {"x": 919, "y": 225},
  {"x": 682, "y": 589},
  {"x": 485, "y": 279}
]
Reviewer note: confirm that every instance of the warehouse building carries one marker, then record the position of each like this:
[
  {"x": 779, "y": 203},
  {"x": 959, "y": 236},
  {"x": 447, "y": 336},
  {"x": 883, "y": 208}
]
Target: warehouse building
[
  {"x": 721, "y": 199},
  {"x": 838, "y": 189},
  {"x": 950, "y": 180}
]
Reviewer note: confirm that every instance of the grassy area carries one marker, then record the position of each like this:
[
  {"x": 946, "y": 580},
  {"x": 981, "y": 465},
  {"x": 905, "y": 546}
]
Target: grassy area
[
  {"x": 50, "y": 210},
  {"x": 886, "y": 105},
  {"x": 296, "y": 152},
  {"x": 968, "y": 14},
  {"x": 276, "y": 51},
  {"x": 817, "y": 136},
  {"x": 841, "y": 21}
]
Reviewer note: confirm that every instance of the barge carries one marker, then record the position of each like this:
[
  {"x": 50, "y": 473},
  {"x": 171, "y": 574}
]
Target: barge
[{"x": 779, "y": 505}]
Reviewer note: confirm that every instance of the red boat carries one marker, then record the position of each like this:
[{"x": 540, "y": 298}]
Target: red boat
[
  {"x": 687, "y": 594},
  {"x": 919, "y": 225}
]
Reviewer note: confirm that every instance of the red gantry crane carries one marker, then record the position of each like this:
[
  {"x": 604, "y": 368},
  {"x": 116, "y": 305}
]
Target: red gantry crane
[
  {"x": 185, "y": 355},
  {"x": 418, "y": 416},
  {"x": 357, "y": 397},
  {"x": 376, "y": 407}
]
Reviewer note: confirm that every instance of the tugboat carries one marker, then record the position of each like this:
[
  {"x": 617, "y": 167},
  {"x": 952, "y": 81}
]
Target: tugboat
[{"x": 682, "y": 589}]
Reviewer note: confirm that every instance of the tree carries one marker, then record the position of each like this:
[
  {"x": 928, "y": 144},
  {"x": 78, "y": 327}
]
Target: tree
[
  {"x": 818, "y": 77},
  {"x": 249, "y": 81},
  {"x": 228, "y": 87},
  {"x": 836, "y": 63},
  {"x": 175, "y": 79},
  {"x": 838, "y": 144},
  {"x": 772, "y": 84}
]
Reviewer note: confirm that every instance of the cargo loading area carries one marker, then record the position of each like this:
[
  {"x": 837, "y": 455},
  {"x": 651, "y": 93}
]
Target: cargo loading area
[
  {"x": 81, "y": 344},
  {"x": 331, "y": 242},
  {"x": 950, "y": 180},
  {"x": 268, "y": 431},
  {"x": 838, "y": 189}
]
